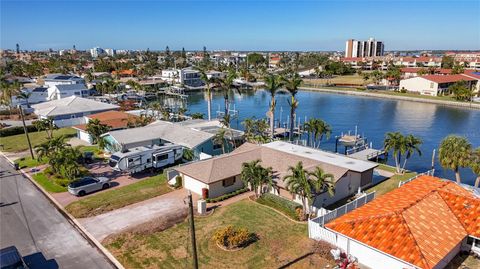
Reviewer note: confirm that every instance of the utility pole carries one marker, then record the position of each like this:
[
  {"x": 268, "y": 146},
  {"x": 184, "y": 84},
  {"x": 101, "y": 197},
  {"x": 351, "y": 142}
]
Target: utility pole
[
  {"x": 26, "y": 132},
  {"x": 192, "y": 231}
]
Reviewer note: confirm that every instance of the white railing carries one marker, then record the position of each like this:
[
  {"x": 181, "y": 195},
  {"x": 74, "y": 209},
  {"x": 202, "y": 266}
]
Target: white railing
[
  {"x": 428, "y": 173},
  {"x": 342, "y": 210}
]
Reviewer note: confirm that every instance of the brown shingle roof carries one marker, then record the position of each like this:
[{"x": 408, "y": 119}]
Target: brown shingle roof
[
  {"x": 229, "y": 165},
  {"x": 114, "y": 119}
]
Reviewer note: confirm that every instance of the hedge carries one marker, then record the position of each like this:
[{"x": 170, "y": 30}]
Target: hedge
[
  {"x": 16, "y": 130},
  {"x": 283, "y": 205},
  {"x": 226, "y": 196}
]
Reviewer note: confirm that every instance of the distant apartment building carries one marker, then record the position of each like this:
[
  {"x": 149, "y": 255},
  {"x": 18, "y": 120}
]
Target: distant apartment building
[
  {"x": 370, "y": 48},
  {"x": 110, "y": 52},
  {"x": 97, "y": 51}
]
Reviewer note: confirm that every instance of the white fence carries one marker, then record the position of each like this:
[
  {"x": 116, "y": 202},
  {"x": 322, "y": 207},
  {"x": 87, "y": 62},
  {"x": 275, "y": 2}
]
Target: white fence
[
  {"x": 340, "y": 211},
  {"x": 428, "y": 173}
]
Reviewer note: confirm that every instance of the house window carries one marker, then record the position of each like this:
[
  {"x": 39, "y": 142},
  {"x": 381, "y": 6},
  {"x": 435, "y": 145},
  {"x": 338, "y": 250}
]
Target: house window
[
  {"x": 228, "y": 182},
  {"x": 162, "y": 157},
  {"x": 149, "y": 160},
  {"x": 431, "y": 85}
]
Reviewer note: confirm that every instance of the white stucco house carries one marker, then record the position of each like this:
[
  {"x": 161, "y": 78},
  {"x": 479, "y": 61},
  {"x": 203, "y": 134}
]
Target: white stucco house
[
  {"x": 221, "y": 175},
  {"x": 436, "y": 85}
]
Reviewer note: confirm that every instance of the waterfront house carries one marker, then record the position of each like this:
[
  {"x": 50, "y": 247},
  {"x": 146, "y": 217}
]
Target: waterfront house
[
  {"x": 71, "y": 110},
  {"x": 221, "y": 175},
  {"x": 116, "y": 120},
  {"x": 423, "y": 224},
  {"x": 66, "y": 90},
  {"x": 435, "y": 85},
  {"x": 37, "y": 95},
  {"x": 197, "y": 135}
]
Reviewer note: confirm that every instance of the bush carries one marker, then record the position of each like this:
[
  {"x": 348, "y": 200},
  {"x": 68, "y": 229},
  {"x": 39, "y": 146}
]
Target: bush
[
  {"x": 16, "y": 130},
  {"x": 289, "y": 208},
  {"x": 9, "y": 112},
  {"x": 178, "y": 182},
  {"x": 226, "y": 196},
  {"x": 230, "y": 237},
  {"x": 403, "y": 90},
  {"x": 322, "y": 248}
]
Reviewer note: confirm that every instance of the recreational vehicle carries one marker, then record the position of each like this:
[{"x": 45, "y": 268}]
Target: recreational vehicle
[{"x": 138, "y": 159}]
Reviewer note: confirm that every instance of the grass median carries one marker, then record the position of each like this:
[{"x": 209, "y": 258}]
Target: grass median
[
  {"x": 117, "y": 198},
  {"x": 281, "y": 242}
]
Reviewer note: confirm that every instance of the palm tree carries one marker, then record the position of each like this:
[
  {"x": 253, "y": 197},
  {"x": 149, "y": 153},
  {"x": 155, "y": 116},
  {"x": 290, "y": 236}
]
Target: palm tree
[
  {"x": 248, "y": 126},
  {"x": 272, "y": 84},
  {"x": 24, "y": 96},
  {"x": 322, "y": 128},
  {"x": 225, "y": 120},
  {"x": 292, "y": 83},
  {"x": 219, "y": 138},
  {"x": 256, "y": 176},
  {"x": 298, "y": 183},
  {"x": 455, "y": 152},
  {"x": 395, "y": 141},
  {"x": 226, "y": 85},
  {"x": 412, "y": 145},
  {"x": 309, "y": 127},
  {"x": 208, "y": 89},
  {"x": 323, "y": 181},
  {"x": 475, "y": 165},
  {"x": 95, "y": 129},
  {"x": 46, "y": 125}
]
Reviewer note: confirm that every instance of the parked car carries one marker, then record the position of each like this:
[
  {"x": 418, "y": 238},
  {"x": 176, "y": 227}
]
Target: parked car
[
  {"x": 10, "y": 258},
  {"x": 88, "y": 184}
]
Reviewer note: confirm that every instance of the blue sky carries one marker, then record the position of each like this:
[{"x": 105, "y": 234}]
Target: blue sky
[{"x": 239, "y": 25}]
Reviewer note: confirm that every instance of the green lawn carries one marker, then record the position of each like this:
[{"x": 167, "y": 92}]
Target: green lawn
[
  {"x": 28, "y": 162},
  {"x": 390, "y": 184},
  {"x": 48, "y": 184},
  {"x": 280, "y": 241},
  {"x": 120, "y": 197},
  {"x": 16, "y": 143}
]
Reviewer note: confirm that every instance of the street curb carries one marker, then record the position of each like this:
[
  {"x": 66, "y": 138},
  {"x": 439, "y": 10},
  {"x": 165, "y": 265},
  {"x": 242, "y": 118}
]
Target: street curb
[{"x": 75, "y": 223}]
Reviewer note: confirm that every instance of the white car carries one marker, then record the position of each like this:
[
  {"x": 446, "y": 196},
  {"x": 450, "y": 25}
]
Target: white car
[{"x": 87, "y": 185}]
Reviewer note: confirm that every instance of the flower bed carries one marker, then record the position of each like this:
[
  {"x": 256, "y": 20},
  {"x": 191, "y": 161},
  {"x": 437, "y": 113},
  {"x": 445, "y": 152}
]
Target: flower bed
[
  {"x": 232, "y": 238},
  {"x": 287, "y": 207}
]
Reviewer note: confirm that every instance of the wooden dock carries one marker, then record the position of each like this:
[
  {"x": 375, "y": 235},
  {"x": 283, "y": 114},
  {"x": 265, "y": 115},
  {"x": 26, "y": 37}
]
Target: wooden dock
[{"x": 367, "y": 154}]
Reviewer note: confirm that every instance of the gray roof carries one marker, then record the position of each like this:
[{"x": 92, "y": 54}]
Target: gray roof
[
  {"x": 62, "y": 77},
  {"x": 71, "y": 87},
  {"x": 174, "y": 133},
  {"x": 323, "y": 156},
  {"x": 70, "y": 105}
]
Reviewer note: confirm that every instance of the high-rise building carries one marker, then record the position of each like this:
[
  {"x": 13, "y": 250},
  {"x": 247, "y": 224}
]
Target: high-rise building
[
  {"x": 95, "y": 52},
  {"x": 110, "y": 52},
  {"x": 369, "y": 48}
]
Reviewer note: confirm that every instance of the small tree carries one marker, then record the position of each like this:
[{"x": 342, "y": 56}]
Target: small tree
[
  {"x": 299, "y": 183},
  {"x": 395, "y": 141},
  {"x": 95, "y": 129},
  {"x": 455, "y": 152},
  {"x": 46, "y": 125}
]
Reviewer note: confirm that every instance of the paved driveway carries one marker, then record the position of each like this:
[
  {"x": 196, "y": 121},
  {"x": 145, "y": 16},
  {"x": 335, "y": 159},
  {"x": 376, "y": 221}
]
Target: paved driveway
[
  {"x": 30, "y": 222},
  {"x": 130, "y": 216}
]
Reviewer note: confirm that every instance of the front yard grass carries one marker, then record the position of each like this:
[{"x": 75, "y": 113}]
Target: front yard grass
[
  {"x": 47, "y": 183},
  {"x": 281, "y": 241},
  {"x": 16, "y": 143},
  {"x": 28, "y": 162},
  {"x": 390, "y": 184},
  {"x": 120, "y": 197}
]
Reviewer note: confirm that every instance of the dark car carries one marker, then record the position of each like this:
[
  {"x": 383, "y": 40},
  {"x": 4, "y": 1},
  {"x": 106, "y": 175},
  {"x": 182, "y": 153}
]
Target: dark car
[{"x": 10, "y": 258}]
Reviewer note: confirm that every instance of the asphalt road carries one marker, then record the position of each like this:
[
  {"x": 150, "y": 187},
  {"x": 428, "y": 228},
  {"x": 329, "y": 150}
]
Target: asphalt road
[{"x": 39, "y": 231}]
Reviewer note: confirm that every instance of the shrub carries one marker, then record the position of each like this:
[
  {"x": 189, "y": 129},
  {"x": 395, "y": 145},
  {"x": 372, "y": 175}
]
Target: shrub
[
  {"x": 322, "y": 248},
  {"x": 178, "y": 182},
  {"x": 16, "y": 130},
  {"x": 230, "y": 237},
  {"x": 283, "y": 205},
  {"x": 226, "y": 196},
  {"x": 403, "y": 90}
]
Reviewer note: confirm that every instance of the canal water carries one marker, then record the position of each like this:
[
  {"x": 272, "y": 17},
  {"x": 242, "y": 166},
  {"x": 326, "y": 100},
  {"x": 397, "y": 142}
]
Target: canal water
[{"x": 373, "y": 116}]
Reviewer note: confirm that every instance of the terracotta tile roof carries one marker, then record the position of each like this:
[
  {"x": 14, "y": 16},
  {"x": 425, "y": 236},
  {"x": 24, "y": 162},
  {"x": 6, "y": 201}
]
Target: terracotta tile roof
[
  {"x": 229, "y": 165},
  {"x": 112, "y": 118},
  {"x": 416, "y": 69},
  {"x": 448, "y": 78},
  {"x": 420, "y": 223}
]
